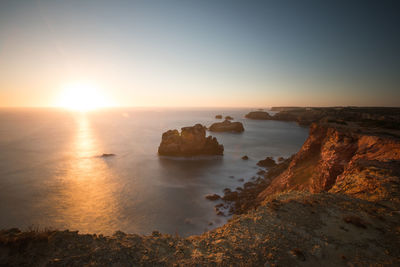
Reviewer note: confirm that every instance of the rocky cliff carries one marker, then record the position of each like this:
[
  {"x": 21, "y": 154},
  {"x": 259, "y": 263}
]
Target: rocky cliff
[{"x": 343, "y": 159}]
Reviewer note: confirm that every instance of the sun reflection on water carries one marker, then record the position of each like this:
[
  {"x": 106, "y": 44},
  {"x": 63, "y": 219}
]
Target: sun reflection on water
[{"x": 87, "y": 199}]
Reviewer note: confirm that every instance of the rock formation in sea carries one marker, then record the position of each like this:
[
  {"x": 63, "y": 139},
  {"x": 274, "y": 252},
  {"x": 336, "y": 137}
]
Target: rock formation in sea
[
  {"x": 227, "y": 126},
  {"x": 258, "y": 115},
  {"x": 229, "y": 118},
  {"x": 218, "y": 117},
  {"x": 267, "y": 162},
  {"x": 192, "y": 141}
]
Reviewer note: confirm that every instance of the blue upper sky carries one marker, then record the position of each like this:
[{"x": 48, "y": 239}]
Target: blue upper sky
[{"x": 203, "y": 53}]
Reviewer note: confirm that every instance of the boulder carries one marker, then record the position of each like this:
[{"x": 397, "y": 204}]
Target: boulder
[
  {"x": 192, "y": 141},
  {"x": 245, "y": 157},
  {"x": 267, "y": 162},
  {"x": 229, "y": 118},
  {"x": 258, "y": 115},
  {"x": 227, "y": 126},
  {"x": 218, "y": 116}
]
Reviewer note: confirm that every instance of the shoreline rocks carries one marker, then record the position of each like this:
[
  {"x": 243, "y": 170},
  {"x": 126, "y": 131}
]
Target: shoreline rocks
[
  {"x": 213, "y": 197},
  {"x": 267, "y": 162},
  {"x": 227, "y": 126},
  {"x": 245, "y": 198},
  {"x": 192, "y": 141}
]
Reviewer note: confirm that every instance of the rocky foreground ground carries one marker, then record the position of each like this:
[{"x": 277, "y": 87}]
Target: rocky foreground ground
[
  {"x": 335, "y": 203},
  {"x": 291, "y": 229}
]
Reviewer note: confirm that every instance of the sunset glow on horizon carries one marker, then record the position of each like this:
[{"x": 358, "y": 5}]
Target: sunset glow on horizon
[{"x": 199, "y": 53}]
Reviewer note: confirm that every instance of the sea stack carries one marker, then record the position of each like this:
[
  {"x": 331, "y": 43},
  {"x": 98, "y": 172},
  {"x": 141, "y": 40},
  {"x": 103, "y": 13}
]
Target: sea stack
[
  {"x": 192, "y": 141},
  {"x": 258, "y": 115},
  {"x": 227, "y": 126}
]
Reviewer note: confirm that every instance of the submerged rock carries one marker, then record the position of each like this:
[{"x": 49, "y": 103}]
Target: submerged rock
[
  {"x": 106, "y": 155},
  {"x": 245, "y": 157},
  {"x": 192, "y": 141},
  {"x": 227, "y": 126},
  {"x": 258, "y": 115}
]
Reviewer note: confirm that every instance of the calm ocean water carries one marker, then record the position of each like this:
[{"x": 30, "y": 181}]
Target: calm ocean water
[{"x": 51, "y": 175}]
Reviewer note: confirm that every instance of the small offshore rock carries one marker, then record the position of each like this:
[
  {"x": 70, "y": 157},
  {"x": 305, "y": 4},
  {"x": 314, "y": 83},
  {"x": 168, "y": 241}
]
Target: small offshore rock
[
  {"x": 227, "y": 126},
  {"x": 258, "y": 115},
  {"x": 106, "y": 155},
  {"x": 213, "y": 197},
  {"x": 267, "y": 162}
]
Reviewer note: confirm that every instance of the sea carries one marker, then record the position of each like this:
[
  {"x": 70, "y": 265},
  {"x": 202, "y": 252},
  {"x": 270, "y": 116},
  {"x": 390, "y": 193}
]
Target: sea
[{"x": 52, "y": 175}]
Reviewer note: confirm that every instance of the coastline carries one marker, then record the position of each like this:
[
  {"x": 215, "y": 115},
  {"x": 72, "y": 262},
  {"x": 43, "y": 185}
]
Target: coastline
[{"x": 288, "y": 223}]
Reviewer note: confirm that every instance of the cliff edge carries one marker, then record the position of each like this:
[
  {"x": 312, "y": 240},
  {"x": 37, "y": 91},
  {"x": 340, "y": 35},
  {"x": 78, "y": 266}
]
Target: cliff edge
[{"x": 342, "y": 159}]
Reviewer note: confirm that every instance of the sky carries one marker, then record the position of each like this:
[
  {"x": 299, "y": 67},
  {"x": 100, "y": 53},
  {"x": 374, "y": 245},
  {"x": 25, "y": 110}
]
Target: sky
[{"x": 205, "y": 53}]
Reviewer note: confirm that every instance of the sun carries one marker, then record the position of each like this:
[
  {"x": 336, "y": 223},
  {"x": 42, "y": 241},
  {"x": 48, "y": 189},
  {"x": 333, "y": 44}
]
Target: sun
[{"x": 82, "y": 97}]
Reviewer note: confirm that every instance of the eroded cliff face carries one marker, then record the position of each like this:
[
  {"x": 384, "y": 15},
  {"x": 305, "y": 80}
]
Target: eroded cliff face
[
  {"x": 341, "y": 159},
  {"x": 373, "y": 172}
]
